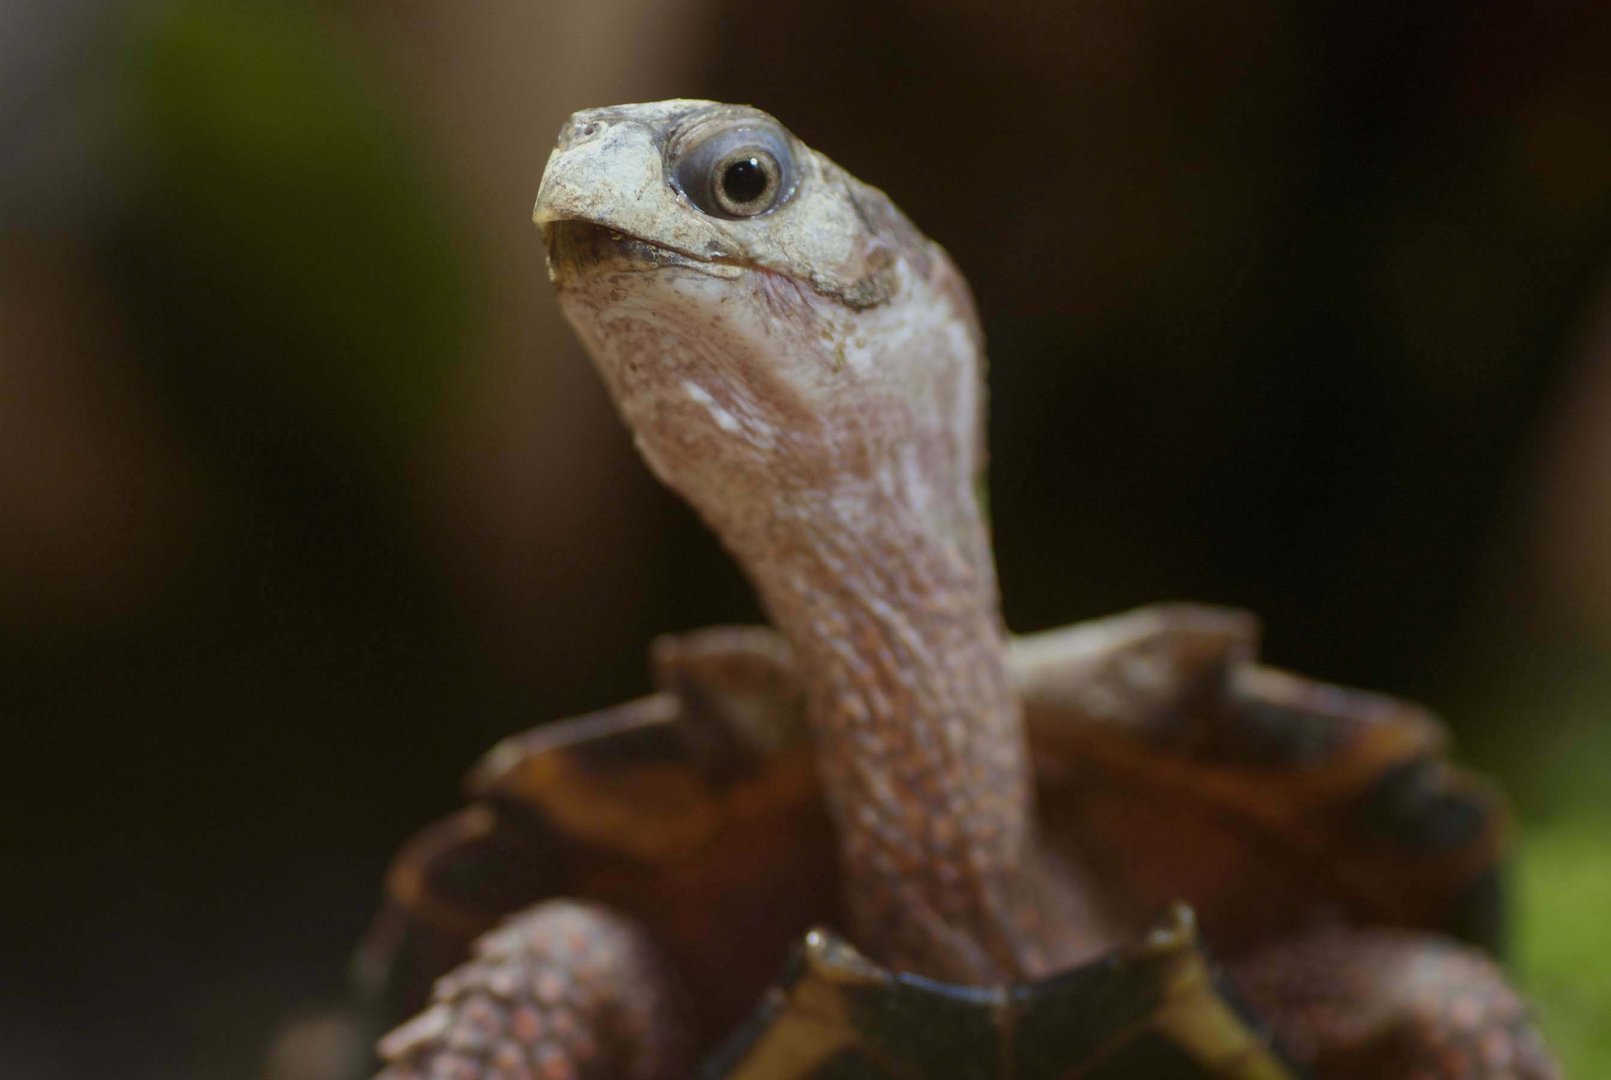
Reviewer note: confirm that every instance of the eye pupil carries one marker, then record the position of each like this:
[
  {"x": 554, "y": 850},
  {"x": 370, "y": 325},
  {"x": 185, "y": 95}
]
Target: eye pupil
[
  {"x": 731, "y": 166},
  {"x": 744, "y": 180}
]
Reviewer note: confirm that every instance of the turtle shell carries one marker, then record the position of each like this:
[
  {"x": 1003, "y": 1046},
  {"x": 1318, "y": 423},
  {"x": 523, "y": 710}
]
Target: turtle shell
[
  {"x": 1171, "y": 767},
  {"x": 694, "y": 811}
]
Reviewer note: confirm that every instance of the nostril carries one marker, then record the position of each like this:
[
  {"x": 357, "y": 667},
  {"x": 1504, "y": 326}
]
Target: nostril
[{"x": 578, "y": 131}]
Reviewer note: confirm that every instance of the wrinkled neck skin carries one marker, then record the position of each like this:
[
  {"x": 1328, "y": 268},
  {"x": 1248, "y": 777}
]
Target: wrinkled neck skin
[{"x": 835, "y": 451}]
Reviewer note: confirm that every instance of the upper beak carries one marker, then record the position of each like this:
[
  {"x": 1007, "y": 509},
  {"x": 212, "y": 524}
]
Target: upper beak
[{"x": 598, "y": 169}]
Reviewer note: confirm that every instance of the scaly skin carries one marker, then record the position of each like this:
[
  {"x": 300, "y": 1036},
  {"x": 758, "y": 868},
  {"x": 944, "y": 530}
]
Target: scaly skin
[
  {"x": 1386, "y": 1003},
  {"x": 816, "y": 392},
  {"x": 564, "y": 991},
  {"x": 809, "y": 377}
]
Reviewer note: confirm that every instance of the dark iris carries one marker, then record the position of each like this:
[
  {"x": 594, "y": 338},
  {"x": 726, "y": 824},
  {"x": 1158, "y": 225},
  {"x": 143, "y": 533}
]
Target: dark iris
[
  {"x": 744, "y": 180},
  {"x": 737, "y": 169}
]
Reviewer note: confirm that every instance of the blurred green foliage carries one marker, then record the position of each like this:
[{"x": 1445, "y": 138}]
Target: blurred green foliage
[
  {"x": 1563, "y": 903},
  {"x": 290, "y": 219},
  {"x": 1564, "y": 937}
]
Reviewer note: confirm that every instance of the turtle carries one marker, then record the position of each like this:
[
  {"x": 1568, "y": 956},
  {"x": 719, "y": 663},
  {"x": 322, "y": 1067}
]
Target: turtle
[{"x": 1123, "y": 848}]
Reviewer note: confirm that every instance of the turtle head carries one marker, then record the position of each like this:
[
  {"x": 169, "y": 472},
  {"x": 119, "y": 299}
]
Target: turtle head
[{"x": 770, "y": 327}]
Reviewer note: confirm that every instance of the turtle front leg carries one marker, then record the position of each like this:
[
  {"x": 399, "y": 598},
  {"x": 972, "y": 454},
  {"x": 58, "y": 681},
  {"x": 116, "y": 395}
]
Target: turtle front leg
[
  {"x": 1393, "y": 1004},
  {"x": 561, "y": 991}
]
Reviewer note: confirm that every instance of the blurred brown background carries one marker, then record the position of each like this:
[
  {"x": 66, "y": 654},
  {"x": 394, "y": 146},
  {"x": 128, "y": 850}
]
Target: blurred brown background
[{"x": 308, "y": 496}]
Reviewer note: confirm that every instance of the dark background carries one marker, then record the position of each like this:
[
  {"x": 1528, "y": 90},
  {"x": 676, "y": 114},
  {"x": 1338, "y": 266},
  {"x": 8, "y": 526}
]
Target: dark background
[{"x": 306, "y": 495}]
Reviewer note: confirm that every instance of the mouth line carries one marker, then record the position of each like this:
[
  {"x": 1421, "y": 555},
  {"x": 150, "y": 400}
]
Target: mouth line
[{"x": 578, "y": 243}]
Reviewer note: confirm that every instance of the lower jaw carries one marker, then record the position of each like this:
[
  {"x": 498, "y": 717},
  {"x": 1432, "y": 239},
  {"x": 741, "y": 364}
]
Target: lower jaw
[{"x": 579, "y": 246}]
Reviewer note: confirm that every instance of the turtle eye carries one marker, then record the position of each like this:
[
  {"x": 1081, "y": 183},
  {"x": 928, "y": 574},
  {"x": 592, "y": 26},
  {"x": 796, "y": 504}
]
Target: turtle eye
[{"x": 738, "y": 171}]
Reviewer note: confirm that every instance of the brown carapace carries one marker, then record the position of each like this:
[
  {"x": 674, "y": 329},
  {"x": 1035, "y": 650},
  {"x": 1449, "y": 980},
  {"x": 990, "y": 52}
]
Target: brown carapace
[
  {"x": 1122, "y": 849},
  {"x": 1171, "y": 766}
]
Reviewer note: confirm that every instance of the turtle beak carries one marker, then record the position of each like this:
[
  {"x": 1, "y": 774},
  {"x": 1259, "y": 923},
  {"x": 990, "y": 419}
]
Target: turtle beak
[
  {"x": 604, "y": 193},
  {"x": 600, "y": 170},
  {"x": 596, "y": 181}
]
